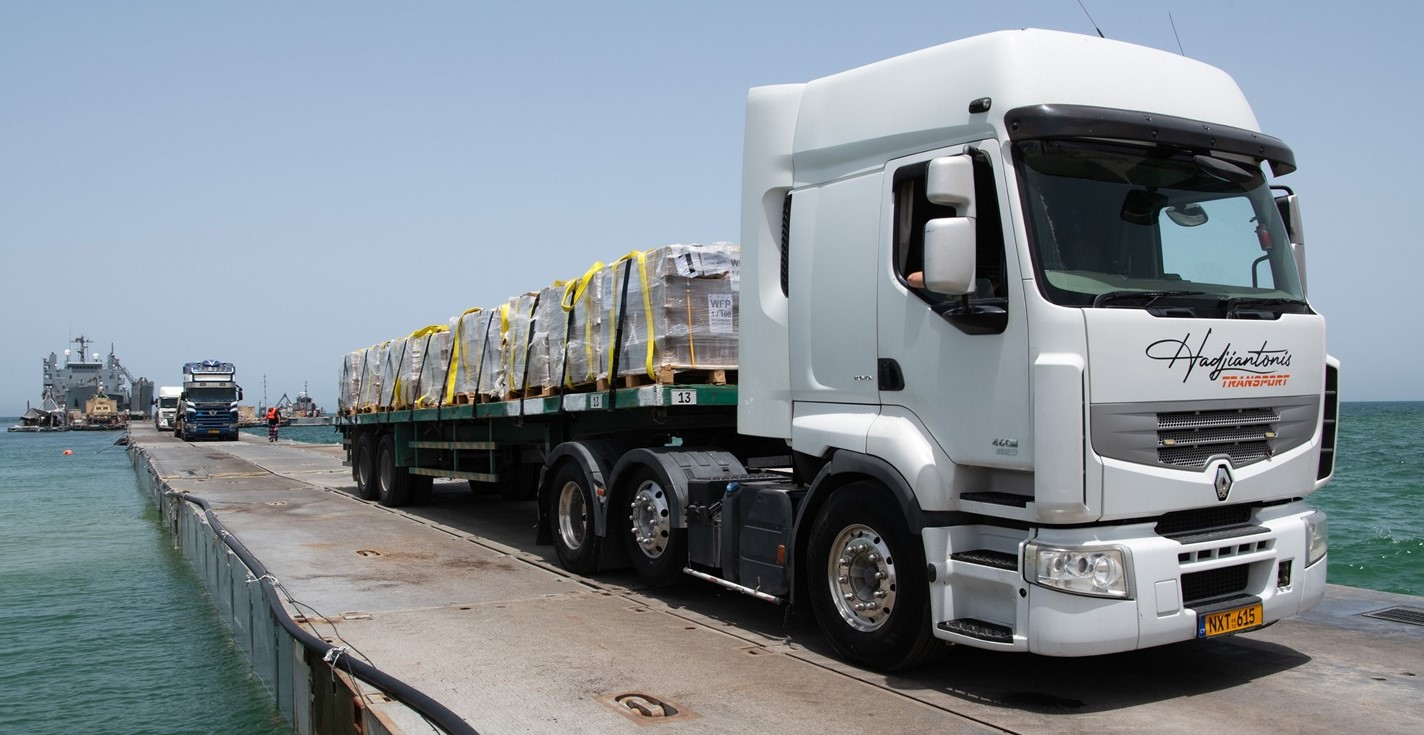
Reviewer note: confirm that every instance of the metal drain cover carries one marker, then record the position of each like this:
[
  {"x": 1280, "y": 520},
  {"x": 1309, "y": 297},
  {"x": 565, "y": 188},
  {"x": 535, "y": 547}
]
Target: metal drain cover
[
  {"x": 1399, "y": 614},
  {"x": 645, "y": 708}
]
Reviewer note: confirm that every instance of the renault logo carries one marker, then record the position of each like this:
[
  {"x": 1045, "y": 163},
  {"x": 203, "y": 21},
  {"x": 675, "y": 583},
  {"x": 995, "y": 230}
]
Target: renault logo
[{"x": 1223, "y": 482}]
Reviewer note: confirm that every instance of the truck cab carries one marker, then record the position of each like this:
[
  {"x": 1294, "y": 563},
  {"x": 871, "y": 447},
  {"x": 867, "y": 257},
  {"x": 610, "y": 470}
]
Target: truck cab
[
  {"x": 209, "y": 401},
  {"x": 165, "y": 407},
  {"x": 1038, "y": 292}
]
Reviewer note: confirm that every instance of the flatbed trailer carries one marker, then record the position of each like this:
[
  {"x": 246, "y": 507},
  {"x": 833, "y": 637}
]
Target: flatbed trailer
[{"x": 506, "y": 442}]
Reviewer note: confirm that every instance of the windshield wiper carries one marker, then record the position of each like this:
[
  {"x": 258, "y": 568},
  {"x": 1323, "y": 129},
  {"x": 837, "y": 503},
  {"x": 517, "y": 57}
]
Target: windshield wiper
[
  {"x": 1150, "y": 297},
  {"x": 1234, "y": 303}
]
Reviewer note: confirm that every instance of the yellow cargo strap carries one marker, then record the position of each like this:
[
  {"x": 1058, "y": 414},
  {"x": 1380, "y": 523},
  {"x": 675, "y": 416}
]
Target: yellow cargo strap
[
  {"x": 456, "y": 355},
  {"x": 642, "y": 257},
  {"x": 420, "y": 334},
  {"x": 578, "y": 288}
]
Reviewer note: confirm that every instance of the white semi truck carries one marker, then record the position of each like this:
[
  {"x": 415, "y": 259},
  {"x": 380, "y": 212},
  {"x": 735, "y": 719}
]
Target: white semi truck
[
  {"x": 165, "y": 407},
  {"x": 1027, "y": 318}
]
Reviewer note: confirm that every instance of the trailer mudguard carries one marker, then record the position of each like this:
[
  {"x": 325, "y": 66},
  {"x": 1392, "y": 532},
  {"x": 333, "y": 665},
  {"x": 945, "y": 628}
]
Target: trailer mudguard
[
  {"x": 673, "y": 467},
  {"x": 596, "y": 457}
]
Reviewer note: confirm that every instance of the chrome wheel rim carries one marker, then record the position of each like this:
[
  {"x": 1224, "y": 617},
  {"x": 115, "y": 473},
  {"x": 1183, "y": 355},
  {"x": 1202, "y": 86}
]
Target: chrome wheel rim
[
  {"x": 862, "y": 574},
  {"x": 651, "y": 519},
  {"x": 573, "y": 515}
]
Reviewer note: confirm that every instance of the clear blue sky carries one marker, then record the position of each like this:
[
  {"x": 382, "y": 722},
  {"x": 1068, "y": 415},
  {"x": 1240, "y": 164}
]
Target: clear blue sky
[{"x": 277, "y": 184}]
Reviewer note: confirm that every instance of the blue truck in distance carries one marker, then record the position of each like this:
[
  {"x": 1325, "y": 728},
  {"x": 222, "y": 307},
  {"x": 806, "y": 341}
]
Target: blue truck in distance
[{"x": 209, "y": 402}]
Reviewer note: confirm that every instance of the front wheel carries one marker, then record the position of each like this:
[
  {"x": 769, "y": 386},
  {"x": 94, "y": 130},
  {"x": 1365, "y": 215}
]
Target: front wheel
[{"x": 867, "y": 581}]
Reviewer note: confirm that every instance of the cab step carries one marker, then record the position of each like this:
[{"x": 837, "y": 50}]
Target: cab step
[{"x": 988, "y": 558}]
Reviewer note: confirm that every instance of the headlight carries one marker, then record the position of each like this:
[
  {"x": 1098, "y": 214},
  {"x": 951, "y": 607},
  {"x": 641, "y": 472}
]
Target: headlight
[
  {"x": 1317, "y": 537},
  {"x": 1100, "y": 572}
]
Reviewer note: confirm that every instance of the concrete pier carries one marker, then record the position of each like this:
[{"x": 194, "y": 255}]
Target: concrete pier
[{"x": 455, "y": 599}]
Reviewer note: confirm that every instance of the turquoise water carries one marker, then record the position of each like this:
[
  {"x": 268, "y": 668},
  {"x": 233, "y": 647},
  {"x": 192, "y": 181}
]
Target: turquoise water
[
  {"x": 1374, "y": 503},
  {"x": 104, "y": 627}
]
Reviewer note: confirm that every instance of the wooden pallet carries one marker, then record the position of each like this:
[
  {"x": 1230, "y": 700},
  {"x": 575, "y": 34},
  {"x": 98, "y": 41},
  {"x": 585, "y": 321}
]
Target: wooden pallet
[
  {"x": 669, "y": 375},
  {"x": 543, "y": 391}
]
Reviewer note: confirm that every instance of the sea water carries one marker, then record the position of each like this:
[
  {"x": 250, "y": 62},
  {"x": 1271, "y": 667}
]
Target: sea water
[
  {"x": 1374, "y": 503},
  {"x": 104, "y": 628}
]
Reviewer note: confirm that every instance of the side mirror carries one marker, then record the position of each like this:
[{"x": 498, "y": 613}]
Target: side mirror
[
  {"x": 239, "y": 394},
  {"x": 950, "y": 182},
  {"x": 949, "y": 255},
  {"x": 1289, "y": 206}
]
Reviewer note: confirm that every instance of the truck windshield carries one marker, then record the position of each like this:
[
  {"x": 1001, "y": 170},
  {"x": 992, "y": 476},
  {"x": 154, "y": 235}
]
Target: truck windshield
[
  {"x": 212, "y": 395},
  {"x": 1121, "y": 225},
  {"x": 168, "y": 403}
]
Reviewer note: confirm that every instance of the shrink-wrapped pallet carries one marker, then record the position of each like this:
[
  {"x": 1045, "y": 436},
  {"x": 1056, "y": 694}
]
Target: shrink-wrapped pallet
[
  {"x": 679, "y": 311},
  {"x": 431, "y": 389},
  {"x": 546, "y": 349},
  {"x": 519, "y": 339},
  {"x": 580, "y": 305},
  {"x": 469, "y": 360},
  {"x": 392, "y": 360},
  {"x": 373, "y": 365},
  {"x": 349, "y": 387},
  {"x": 405, "y": 362}
]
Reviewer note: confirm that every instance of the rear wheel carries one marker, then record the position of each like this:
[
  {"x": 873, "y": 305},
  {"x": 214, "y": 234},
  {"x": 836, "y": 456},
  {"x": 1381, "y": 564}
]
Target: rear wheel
[
  {"x": 570, "y": 508},
  {"x": 363, "y": 466},
  {"x": 657, "y": 549},
  {"x": 393, "y": 481},
  {"x": 867, "y": 584}
]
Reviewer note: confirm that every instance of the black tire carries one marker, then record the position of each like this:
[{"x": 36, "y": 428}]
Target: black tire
[
  {"x": 363, "y": 466},
  {"x": 858, "y": 534},
  {"x": 393, "y": 482},
  {"x": 571, "y": 519},
  {"x": 422, "y": 488},
  {"x": 657, "y": 549}
]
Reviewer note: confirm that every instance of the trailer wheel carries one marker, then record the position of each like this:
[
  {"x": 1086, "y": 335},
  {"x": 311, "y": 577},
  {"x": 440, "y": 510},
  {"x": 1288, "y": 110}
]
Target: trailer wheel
[
  {"x": 393, "y": 481},
  {"x": 867, "y": 585},
  {"x": 364, "y": 467},
  {"x": 658, "y": 551},
  {"x": 571, "y": 513}
]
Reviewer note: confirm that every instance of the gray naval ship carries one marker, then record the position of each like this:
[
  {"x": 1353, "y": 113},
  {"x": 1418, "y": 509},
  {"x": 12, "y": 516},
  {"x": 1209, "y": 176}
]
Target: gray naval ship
[{"x": 79, "y": 386}]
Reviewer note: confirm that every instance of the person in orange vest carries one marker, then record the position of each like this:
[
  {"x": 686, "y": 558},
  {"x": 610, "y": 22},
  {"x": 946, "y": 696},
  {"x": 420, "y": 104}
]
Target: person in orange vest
[{"x": 274, "y": 419}]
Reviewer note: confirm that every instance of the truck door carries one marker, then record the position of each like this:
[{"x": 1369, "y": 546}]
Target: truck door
[
  {"x": 957, "y": 364},
  {"x": 833, "y": 256}
]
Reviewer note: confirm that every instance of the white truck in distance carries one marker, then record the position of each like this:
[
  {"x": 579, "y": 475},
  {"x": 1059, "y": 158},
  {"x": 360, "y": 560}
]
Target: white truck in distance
[
  {"x": 1027, "y": 318},
  {"x": 165, "y": 407}
]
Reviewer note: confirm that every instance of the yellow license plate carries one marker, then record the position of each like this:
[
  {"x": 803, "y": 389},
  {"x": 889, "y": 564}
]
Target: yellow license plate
[{"x": 1229, "y": 621}]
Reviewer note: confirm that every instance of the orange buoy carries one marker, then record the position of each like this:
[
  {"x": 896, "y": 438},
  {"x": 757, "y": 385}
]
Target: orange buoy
[{"x": 68, "y": 452}]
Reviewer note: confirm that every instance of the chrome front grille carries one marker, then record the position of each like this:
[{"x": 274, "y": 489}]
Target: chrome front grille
[
  {"x": 1169, "y": 435},
  {"x": 1189, "y": 439}
]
